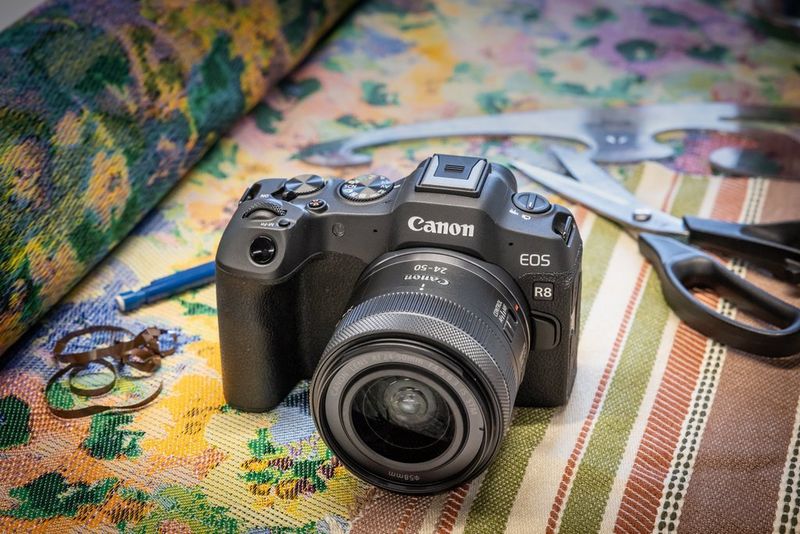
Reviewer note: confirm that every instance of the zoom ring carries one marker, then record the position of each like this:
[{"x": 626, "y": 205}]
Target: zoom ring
[{"x": 437, "y": 318}]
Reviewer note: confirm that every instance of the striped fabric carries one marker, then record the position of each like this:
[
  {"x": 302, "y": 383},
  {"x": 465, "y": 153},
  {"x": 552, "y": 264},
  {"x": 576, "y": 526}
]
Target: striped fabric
[{"x": 665, "y": 431}]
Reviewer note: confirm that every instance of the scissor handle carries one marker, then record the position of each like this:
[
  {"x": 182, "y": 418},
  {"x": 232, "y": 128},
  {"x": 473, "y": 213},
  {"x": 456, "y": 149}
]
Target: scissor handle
[
  {"x": 682, "y": 267},
  {"x": 775, "y": 246}
]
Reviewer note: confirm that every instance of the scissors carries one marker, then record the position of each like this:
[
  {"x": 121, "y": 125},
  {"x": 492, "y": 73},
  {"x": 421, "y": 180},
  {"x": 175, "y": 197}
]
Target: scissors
[{"x": 664, "y": 241}]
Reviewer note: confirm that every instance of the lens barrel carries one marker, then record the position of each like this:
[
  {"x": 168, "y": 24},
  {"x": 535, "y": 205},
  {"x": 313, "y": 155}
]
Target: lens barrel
[{"x": 415, "y": 389}]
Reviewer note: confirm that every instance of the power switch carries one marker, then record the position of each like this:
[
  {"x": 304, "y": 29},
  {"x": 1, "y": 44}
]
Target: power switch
[
  {"x": 546, "y": 331},
  {"x": 530, "y": 202}
]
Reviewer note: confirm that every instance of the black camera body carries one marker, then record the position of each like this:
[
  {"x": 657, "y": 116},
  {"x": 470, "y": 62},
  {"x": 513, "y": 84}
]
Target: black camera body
[{"x": 451, "y": 256}]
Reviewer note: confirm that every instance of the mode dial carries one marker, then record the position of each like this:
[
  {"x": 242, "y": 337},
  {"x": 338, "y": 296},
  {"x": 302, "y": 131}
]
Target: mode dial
[
  {"x": 304, "y": 184},
  {"x": 366, "y": 187}
]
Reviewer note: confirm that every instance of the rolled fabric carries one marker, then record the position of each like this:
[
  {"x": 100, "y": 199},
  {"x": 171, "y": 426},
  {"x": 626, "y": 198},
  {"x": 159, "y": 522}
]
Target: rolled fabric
[{"x": 104, "y": 105}]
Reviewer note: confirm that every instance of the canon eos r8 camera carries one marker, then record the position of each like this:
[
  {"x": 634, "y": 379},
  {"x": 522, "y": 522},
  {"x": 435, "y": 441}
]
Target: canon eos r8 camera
[{"x": 422, "y": 310}]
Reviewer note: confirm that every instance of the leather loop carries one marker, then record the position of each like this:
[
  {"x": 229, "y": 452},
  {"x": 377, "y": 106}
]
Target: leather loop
[
  {"x": 141, "y": 352},
  {"x": 92, "y": 392}
]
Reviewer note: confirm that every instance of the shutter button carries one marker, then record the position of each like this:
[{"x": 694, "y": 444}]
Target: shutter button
[
  {"x": 531, "y": 202},
  {"x": 262, "y": 250},
  {"x": 318, "y": 205}
]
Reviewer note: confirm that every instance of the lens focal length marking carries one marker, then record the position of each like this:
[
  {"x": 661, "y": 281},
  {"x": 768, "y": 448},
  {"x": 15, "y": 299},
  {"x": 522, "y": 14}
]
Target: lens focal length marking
[{"x": 424, "y": 267}]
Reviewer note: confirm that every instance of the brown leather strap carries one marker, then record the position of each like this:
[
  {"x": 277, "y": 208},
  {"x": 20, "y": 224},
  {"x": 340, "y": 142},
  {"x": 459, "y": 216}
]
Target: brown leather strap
[
  {"x": 141, "y": 352},
  {"x": 83, "y": 358}
]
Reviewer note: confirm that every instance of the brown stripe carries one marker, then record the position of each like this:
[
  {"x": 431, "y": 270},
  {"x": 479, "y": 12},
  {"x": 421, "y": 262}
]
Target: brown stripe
[
  {"x": 389, "y": 512},
  {"x": 736, "y": 478},
  {"x": 782, "y": 201},
  {"x": 737, "y": 474}
]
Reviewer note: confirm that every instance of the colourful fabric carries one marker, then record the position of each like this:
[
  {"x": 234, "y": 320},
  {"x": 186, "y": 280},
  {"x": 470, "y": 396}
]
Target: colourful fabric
[
  {"x": 104, "y": 106},
  {"x": 665, "y": 430}
]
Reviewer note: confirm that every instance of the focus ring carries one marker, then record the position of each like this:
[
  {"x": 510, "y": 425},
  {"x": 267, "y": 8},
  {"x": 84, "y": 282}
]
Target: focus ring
[{"x": 437, "y": 318}]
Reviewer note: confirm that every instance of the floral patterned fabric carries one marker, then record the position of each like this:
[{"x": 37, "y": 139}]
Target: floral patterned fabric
[
  {"x": 104, "y": 106},
  {"x": 666, "y": 430}
]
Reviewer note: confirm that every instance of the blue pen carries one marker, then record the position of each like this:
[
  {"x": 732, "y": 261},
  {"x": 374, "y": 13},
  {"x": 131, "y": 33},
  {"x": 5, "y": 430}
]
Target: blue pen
[{"x": 166, "y": 287}]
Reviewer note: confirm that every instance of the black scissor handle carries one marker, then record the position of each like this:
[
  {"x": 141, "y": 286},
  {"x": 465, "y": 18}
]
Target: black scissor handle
[
  {"x": 774, "y": 246},
  {"x": 681, "y": 267}
]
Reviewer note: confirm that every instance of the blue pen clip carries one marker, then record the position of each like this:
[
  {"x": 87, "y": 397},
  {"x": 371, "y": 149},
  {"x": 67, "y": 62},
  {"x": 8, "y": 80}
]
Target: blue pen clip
[{"x": 167, "y": 286}]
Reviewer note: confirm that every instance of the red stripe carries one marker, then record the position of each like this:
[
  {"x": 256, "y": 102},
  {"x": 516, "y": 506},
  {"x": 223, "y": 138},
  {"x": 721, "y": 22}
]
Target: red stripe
[
  {"x": 447, "y": 518},
  {"x": 569, "y": 470},
  {"x": 645, "y": 485}
]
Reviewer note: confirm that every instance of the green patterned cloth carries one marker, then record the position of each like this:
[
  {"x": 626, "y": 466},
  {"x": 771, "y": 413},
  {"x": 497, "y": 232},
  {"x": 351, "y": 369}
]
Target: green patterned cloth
[
  {"x": 665, "y": 431},
  {"x": 104, "y": 106}
]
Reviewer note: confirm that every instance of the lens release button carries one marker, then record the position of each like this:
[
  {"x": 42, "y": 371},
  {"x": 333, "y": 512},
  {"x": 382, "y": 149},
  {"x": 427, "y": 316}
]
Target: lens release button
[
  {"x": 262, "y": 250},
  {"x": 531, "y": 202},
  {"x": 509, "y": 328}
]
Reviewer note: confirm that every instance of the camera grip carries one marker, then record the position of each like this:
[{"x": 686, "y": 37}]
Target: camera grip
[
  {"x": 550, "y": 374},
  {"x": 257, "y": 334}
]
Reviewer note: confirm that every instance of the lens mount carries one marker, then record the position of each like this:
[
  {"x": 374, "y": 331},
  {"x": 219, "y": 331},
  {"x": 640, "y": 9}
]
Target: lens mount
[{"x": 449, "y": 347}]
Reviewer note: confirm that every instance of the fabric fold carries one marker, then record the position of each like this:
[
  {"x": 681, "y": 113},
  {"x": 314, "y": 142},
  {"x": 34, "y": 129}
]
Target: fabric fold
[{"x": 105, "y": 105}]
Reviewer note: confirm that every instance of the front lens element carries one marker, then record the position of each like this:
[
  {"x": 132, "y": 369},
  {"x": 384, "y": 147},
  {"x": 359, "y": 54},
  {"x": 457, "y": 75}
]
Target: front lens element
[{"x": 402, "y": 419}]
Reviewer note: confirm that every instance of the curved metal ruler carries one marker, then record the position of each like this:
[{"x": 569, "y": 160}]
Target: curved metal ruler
[{"x": 612, "y": 135}]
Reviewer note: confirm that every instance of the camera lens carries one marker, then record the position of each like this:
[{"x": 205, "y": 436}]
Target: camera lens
[
  {"x": 415, "y": 389},
  {"x": 402, "y": 419}
]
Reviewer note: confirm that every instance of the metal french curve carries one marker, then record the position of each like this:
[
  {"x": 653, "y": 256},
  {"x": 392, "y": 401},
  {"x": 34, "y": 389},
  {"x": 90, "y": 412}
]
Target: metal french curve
[{"x": 612, "y": 135}]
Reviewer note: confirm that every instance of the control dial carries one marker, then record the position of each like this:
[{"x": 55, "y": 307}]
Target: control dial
[
  {"x": 366, "y": 187},
  {"x": 264, "y": 209},
  {"x": 304, "y": 184}
]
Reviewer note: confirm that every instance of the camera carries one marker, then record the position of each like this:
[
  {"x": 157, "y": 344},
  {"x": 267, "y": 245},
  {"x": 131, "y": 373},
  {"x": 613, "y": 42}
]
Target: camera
[{"x": 422, "y": 310}]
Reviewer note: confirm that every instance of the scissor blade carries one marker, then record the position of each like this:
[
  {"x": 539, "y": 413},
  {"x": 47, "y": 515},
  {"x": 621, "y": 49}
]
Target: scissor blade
[
  {"x": 623, "y": 209},
  {"x": 585, "y": 170}
]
